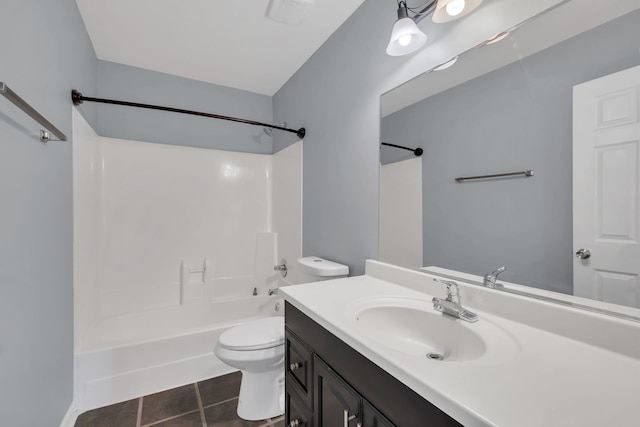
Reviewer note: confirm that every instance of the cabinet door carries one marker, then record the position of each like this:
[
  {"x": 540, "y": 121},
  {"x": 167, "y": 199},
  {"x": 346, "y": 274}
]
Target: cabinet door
[
  {"x": 296, "y": 414},
  {"x": 298, "y": 365},
  {"x": 372, "y": 418},
  {"x": 336, "y": 403}
]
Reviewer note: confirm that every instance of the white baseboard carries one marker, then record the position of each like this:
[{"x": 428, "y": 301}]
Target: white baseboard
[{"x": 71, "y": 416}]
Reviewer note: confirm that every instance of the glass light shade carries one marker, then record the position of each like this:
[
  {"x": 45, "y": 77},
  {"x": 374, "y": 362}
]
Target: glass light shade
[
  {"x": 441, "y": 16},
  {"x": 446, "y": 65},
  {"x": 406, "y": 38},
  {"x": 498, "y": 37}
]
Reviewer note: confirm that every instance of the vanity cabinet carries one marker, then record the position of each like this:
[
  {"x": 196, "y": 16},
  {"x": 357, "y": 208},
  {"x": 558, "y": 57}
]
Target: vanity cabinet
[
  {"x": 329, "y": 384},
  {"x": 372, "y": 418},
  {"x": 297, "y": 413},
  {"x": 335, "y": 402}
]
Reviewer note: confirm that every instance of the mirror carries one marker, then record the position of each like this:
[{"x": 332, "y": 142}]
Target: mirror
[{"x": 510, "y": 107}]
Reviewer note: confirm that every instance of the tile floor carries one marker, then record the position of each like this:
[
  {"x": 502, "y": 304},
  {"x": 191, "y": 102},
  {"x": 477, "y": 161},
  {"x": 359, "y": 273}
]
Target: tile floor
[{"x": 210, "y": 403}]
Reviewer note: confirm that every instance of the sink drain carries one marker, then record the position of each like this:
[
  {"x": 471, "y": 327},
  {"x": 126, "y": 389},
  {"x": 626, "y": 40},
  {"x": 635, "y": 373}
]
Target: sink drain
[{"x": 435, "y": 356}]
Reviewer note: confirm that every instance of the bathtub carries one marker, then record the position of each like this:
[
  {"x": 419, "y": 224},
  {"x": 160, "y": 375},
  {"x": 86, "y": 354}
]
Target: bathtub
[{"x": 138, "y": 354}]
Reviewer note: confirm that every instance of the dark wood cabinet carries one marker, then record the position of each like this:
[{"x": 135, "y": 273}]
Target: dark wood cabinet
[
  {"x": 329, "y": 384},
  {"x": 335, "y": 402},
  {"x": 297, "y": 413},
  {"x": 299, "y": 366},
  {"x": 372, "y": 418}
]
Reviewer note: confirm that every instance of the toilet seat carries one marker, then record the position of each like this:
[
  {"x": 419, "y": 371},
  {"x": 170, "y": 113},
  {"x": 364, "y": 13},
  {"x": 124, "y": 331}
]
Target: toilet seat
[{"x": 254, "y": 335}]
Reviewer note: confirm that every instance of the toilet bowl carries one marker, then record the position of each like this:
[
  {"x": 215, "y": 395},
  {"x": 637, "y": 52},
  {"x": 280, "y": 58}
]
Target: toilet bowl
[{"x": 256, "y": 348}]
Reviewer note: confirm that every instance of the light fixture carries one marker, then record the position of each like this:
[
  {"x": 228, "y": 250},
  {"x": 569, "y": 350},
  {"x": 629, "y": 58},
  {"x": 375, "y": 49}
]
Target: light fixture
[
  {"x": 406, "y": 37},
  {"x": 446, "y": 64},
  {"x": 497, "y": 37},
  {"x": 449, "y": 10}
]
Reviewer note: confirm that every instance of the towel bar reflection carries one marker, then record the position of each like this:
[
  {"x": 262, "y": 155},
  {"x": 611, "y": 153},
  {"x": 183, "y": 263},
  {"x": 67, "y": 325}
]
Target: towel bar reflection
[
  {"x": 526, "y": 173},
  {"x": 45, "y": 135}
]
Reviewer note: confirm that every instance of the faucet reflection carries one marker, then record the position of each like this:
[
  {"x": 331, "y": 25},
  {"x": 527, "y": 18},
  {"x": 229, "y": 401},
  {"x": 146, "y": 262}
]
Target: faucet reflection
[{"x": 490, "y": 278}]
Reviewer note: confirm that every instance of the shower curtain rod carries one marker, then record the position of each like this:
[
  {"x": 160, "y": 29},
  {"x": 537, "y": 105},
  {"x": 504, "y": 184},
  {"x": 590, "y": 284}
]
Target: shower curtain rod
[
  {"x": 417, "y": 152},
  {"x": 77, "y": 98}
]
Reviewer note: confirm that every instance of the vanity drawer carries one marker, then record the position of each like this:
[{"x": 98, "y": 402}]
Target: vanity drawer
[{"x": 298, "y": 364}]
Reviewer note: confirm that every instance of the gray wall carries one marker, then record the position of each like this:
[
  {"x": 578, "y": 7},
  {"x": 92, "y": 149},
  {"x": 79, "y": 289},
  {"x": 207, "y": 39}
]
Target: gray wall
[
  {"x": 335, "y": 95},
  {"x": 126, "y": 83},
  {"x": 45, "y": 53},
  {"x": 516, "y": 118}
]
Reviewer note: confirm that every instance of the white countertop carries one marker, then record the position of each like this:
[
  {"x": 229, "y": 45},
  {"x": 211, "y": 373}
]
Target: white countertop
[{"x": 549, "y": 380}]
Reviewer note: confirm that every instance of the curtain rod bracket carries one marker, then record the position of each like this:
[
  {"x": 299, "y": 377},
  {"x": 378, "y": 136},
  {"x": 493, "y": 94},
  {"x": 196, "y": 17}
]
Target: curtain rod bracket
[{"x": 76, "y": 97}]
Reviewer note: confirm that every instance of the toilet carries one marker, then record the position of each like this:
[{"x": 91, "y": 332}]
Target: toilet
[
  {"x": 314, "y": 269},
  {"x": 256, "y": 348}
]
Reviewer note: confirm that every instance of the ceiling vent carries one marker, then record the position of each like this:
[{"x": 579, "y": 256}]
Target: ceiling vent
[{"x": 288, "y": 11}]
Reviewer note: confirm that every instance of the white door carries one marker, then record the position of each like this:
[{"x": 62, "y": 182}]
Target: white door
[{"x": 606, "y": 186}]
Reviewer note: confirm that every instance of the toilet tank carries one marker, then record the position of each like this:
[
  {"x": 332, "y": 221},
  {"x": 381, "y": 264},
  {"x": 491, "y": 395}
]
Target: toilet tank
[{"x": 315, "y": 269}]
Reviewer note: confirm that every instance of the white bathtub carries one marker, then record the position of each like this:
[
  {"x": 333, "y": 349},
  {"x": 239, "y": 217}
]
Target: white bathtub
[{"x": 138, "y": 354}]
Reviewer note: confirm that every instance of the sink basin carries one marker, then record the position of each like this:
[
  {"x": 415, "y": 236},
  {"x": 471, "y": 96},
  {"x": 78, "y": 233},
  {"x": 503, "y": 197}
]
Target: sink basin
[{"x": 413, "y": 327}]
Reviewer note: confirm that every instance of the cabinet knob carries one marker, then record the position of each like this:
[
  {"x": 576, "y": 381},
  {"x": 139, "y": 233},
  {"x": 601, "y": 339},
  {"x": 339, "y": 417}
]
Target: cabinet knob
[
  {"x": 294, "y": 366},
  {"x": 294, "y": 423}
]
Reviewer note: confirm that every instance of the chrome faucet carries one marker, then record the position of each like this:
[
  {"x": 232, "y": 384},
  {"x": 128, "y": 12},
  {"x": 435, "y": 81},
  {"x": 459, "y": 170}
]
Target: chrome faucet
[
  {"x": 451, "y": 305},
  {"x": 490, "y": 278},
  {"x": 272, "y": 291}
]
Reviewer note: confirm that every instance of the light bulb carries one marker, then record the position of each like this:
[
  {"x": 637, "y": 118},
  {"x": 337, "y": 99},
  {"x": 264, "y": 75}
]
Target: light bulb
[
  {"x": 404, "y": 40},
  {"x": 455, "y": 7}
]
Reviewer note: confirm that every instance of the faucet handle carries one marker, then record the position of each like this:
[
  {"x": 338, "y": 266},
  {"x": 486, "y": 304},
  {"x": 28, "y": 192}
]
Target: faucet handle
[
  {"x": 452, "y": 287},
  {"x": 498, "y": 271}
]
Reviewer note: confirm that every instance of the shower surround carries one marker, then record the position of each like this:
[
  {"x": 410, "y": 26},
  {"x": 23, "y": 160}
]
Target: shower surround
[{"x": 169, "y": 244}]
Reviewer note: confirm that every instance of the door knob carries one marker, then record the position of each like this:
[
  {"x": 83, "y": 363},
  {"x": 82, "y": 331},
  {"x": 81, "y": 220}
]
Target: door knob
[{"x": 583, "y": 253}]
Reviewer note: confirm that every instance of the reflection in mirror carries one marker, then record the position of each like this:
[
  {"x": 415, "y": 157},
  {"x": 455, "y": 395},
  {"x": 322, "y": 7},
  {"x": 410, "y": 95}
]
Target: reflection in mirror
[{"x": 551, "y": 97}]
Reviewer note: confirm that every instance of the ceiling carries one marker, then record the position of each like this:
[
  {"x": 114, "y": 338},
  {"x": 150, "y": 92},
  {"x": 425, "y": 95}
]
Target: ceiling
[{"x": 226, "y": 42}]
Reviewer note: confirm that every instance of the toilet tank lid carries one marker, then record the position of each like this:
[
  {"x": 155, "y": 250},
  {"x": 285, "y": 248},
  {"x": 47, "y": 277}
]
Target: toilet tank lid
[{"x": 322, "y": 267}]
